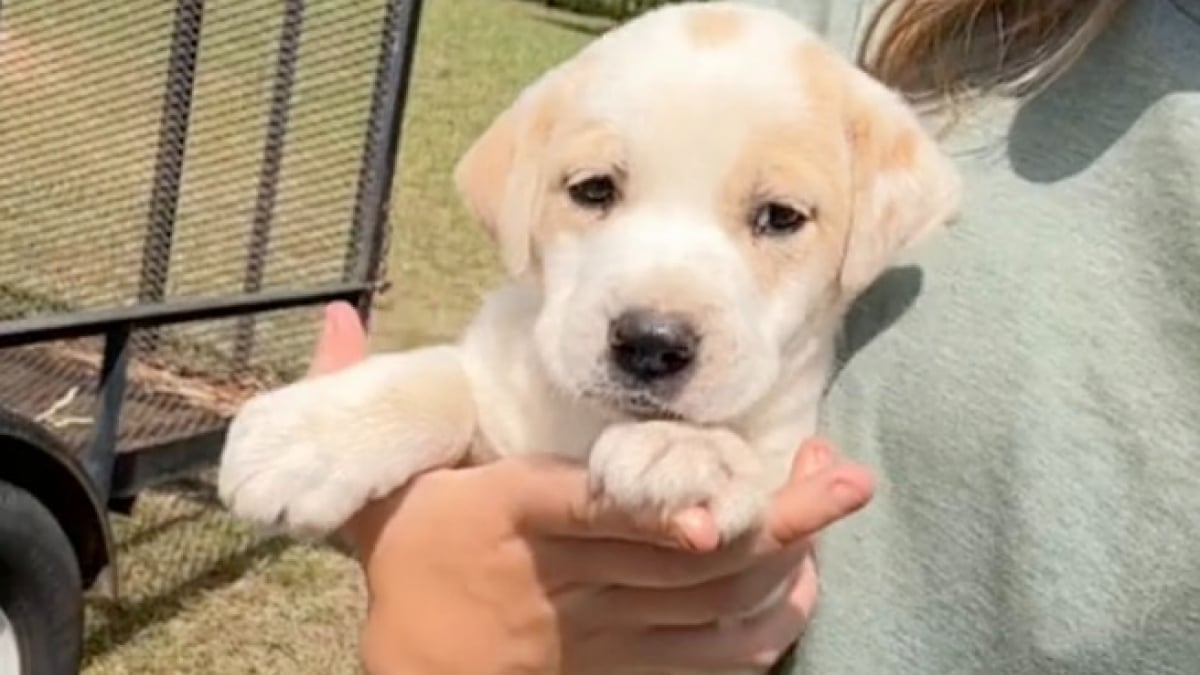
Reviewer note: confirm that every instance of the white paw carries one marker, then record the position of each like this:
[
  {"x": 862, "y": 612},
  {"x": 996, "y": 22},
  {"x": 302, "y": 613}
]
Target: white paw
[
  {"x": 664, "y": 467},
  {"x": 279, "y": 469},
  {"x": 308, "y": 456}
]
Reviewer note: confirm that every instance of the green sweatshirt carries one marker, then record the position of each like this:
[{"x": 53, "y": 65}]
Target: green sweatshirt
[{"x": 1029, "y": 395}]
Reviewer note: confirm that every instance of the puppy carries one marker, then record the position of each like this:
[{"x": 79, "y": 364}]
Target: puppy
[{"x": 686, "y": 208}]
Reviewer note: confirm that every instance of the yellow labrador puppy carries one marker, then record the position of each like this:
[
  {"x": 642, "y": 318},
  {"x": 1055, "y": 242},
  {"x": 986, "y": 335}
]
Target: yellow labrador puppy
[{"x": 687, "y": 207}]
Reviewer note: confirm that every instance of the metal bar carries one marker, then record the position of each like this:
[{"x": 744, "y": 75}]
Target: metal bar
[
  {"x": 101, "y": 455},
  {"x": 168, "y": 164},
  {"x": 368, "y": 235},
  {"x": 158, "y": 464},
  {"x": 93, "y": 322},
  {"x": 268, "y": 176}
]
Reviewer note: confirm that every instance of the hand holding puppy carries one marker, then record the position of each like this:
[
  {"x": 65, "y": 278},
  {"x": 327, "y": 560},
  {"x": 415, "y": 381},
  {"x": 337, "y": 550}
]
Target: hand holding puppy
[{"x": 508, "y": 567}]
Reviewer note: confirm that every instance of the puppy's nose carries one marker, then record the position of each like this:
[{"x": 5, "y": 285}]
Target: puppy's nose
[{"x": 650, "y": 346}]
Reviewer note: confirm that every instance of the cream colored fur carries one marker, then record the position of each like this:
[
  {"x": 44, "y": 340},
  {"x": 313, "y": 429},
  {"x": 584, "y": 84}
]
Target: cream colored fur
[{"x": 701, "y": 113}]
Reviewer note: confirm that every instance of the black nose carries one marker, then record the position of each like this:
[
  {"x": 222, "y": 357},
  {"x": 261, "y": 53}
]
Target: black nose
[{"x": 650, "y": 346}]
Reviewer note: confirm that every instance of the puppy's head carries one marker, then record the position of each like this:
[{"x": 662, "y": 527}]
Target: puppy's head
[{"x": 700, "y": 193}]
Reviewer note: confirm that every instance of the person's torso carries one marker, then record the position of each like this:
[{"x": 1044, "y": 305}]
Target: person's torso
[{"x": 1029, "y": 395}]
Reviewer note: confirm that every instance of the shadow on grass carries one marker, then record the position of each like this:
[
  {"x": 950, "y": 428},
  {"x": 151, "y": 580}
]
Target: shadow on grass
[
  {"x": 590, "y": 28},
  {"x": 618, "y": 10},
  {"x": 149, "y": 534},
  {"x": 198, "y": 490},
  {"x": 198, "y": 495},
  {"x": 123, "y": 621},
  {"x": 178, "y": 545}
]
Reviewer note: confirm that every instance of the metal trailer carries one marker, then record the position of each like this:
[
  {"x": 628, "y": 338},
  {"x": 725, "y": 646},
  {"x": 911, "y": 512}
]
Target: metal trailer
[{"x": 182, "y": 186}]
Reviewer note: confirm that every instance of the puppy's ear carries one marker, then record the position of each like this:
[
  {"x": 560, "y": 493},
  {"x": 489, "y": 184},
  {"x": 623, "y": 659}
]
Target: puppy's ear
[
  {"x": 500, "y": 176},
  {"x": 904, "y": 186}
]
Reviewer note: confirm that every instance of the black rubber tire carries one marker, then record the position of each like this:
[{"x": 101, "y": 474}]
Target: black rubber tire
[{"x": 40, "y": 587}]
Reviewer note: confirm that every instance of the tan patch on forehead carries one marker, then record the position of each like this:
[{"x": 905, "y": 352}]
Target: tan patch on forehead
[{"x": 712, "y": 28}]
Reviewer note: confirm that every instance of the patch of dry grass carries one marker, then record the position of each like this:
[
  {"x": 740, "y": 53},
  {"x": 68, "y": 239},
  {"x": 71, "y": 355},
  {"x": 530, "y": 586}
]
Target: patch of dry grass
[
  {"x": 474, "y": 56},
  {"x": 204, "y": 594}
]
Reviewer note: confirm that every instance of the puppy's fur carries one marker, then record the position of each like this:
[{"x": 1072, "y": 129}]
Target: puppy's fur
[{"x": 759, "y": 183}]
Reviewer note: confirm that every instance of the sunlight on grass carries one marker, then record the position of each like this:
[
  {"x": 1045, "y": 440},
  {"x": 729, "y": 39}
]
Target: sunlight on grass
[{"x": 474, "y": 57}]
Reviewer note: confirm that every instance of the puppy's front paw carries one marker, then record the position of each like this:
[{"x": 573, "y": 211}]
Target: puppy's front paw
[
  {"x": 308, "y": 456},
  {"x": 664, "y": 467},
  {"x": 281, "y": 468}
]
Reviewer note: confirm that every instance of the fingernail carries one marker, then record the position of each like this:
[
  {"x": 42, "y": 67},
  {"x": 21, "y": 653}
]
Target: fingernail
[{"x": 694, "y": 529}]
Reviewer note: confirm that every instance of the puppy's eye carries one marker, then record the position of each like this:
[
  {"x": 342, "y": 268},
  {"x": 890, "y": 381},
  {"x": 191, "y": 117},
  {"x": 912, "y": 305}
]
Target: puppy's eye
[
  {"x": 597, "y": 192},
  {"x": 776, "y": 219}
]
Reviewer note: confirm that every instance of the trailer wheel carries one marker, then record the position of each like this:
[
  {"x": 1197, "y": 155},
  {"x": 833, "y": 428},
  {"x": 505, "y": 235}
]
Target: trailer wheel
[{"x": 41, "y": 593}]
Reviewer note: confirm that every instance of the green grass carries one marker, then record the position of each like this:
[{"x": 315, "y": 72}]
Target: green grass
[
  {"x": 201, "y": 593},
  {"x": 204, "y": 594},
  {"x": 473, "y": 59}
]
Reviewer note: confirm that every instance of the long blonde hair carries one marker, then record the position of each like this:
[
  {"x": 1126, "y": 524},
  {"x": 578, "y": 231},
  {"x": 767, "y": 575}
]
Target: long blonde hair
[{"x": 938, "y": 51}]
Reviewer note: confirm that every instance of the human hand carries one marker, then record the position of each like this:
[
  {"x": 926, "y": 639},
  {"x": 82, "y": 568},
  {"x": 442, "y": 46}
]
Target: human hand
[{"x": 508, "y": 568}]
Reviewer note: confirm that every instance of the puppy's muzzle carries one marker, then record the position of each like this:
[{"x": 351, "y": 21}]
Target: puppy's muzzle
[{"x": 651, "y": 348}]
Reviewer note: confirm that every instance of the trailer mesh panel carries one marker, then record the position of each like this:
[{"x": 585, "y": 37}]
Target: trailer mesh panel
[{"x": 154, "y": 151}]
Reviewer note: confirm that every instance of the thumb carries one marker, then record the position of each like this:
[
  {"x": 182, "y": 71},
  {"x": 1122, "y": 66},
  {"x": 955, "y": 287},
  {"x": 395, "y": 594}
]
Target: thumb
[
  {"x": 821, "y": 490},
  {"x": 343, "y": 340}
]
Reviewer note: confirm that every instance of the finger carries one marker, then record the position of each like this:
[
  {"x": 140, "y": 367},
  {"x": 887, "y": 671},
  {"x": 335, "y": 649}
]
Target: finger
[
  {"x": 803, "y": 508},
  {"x": 815, "y": 455},
  {"x": 755, "y": 643},
  {"x": 800, "y": 511},
  {"x": 769, "y": 580},
  {"x": 805, "y": 592},
  {"x": 694, "y": 528},
  {"x": 551, "y": 497},
  {"x": 343, "y": 340}
]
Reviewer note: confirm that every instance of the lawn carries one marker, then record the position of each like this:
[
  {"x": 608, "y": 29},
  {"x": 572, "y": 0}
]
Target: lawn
[
  {"x": 473, "y": 58},
  {"x": 201, "y": 593}
]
